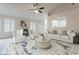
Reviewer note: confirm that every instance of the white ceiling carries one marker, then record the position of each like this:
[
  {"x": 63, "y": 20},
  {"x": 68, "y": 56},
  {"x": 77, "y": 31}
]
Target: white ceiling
[{"x": 21, "y": 9}]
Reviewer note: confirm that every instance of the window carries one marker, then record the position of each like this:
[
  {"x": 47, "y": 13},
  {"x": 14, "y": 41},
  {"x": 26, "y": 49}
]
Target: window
[
  {"x": 12, "y": 23},
  {"x": 9, "y": 24},
  {"x": 59, "y": 22},
  {"x": 0, "y": 24},
  {"x": 32, "y": 27},
  {"x": 55, "y": 23},
  {"x": 62, "y": 23}
]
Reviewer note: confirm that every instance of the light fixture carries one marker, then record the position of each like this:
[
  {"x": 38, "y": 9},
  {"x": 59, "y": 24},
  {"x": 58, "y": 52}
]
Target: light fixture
[{"x": 37, "y": 9}]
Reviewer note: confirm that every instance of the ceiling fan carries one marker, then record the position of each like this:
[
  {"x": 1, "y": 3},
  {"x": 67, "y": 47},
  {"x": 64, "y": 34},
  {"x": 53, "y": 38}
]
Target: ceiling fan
[{"x": 37, "y": 9}]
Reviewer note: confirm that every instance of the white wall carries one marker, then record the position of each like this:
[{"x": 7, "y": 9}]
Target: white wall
[{"x": 72, "y": 19}]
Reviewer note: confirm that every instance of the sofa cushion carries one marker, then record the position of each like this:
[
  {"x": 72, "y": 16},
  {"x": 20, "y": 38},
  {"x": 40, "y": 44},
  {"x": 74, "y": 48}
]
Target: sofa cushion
[
  {"x": 64, "y": 37},
  {"x": 64, "y": 32}
]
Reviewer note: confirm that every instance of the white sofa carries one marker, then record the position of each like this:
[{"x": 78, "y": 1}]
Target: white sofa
[{"x": 66, "y": 38}]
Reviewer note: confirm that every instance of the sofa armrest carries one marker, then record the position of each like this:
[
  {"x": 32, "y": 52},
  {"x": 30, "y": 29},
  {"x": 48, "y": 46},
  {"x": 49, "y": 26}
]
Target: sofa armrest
[{"x": 71, "y": 36}]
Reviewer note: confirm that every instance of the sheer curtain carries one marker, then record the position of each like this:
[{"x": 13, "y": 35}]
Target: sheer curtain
[
  {"x": 32, "y": 26},
  {"x": 9, "y": 24}
]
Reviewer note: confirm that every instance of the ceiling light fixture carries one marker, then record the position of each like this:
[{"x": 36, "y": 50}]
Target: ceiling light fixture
[{"x": 37, "y": 9}]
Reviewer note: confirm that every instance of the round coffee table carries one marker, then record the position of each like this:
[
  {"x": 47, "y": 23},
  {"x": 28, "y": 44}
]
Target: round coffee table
[{"x": 43, "y": 43}]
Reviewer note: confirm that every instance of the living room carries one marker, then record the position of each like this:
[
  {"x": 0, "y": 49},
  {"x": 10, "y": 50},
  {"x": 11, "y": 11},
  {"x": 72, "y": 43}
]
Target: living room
[{"x": 39, "y": 28}]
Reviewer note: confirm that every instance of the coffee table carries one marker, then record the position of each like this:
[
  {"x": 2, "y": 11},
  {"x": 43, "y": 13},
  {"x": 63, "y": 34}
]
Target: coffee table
[{"x": 42, "y": 43}]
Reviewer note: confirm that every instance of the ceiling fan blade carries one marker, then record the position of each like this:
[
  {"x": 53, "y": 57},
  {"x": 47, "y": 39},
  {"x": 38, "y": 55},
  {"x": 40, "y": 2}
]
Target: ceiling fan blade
[
  {"x": 40, "y": 11},
  {"x": 41, "y": 8}
]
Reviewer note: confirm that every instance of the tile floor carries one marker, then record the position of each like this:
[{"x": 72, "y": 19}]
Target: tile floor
[
  {"x": 58, "y": 48},
  {"x": 4, "y": 46}
]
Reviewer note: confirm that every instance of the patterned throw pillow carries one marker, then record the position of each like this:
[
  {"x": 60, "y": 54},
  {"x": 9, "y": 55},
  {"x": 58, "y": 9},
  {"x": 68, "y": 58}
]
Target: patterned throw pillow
[
  {"x": 54, "y": 32},
  {"x": 64, "y": 32}
]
